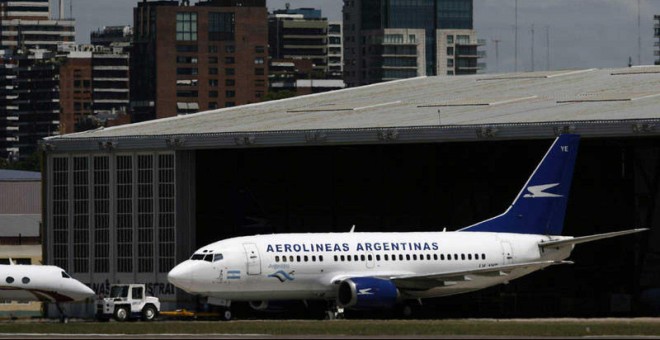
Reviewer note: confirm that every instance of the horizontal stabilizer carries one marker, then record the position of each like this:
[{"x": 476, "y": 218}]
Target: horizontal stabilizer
[{"x": 583, "y": 239}]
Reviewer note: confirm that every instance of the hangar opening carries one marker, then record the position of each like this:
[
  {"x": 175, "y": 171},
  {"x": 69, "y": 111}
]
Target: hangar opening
[{"x": 432, "y": 186}]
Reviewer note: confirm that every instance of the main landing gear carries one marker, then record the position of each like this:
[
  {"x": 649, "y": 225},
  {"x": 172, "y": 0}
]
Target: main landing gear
[
  {"x": 334, "y": 312},
  {"x": 63, "y": 317}
]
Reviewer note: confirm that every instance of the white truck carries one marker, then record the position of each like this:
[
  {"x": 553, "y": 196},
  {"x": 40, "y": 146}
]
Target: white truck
[{"x": 127, "y": 301}]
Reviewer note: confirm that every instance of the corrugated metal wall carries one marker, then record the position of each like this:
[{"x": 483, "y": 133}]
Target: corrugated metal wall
[{"x": 18, "y": 197}]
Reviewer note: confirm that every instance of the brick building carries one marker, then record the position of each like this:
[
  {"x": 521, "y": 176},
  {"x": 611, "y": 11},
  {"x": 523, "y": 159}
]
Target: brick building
[{"x": 188, "y": 58}]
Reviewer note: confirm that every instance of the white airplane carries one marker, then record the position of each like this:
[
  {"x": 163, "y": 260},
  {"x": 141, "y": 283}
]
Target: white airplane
[
  {"x": 25, "y": 283},
  {"x": 380, "y": 270}
]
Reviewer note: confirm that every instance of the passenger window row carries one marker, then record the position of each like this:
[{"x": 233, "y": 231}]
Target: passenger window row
[
  {"x": 410, "y": 257},
  {"x": 299, "y": 258},
  {"x": 10, "y": 280},
  {"x": 384, "y": 257}
]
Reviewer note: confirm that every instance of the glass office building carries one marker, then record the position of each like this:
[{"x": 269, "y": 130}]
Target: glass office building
[{"x": 364, "y": 19}]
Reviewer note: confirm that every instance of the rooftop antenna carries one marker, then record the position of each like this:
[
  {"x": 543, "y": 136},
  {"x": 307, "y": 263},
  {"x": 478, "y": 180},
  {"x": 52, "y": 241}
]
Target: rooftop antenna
[
  {"x": 515, "y": 43},
  {"x": 497, "y": 55},
  {"x": 547, "y": 48},
  {"x": 532, "y": 47},
  {"x": 639, "y": 34}
]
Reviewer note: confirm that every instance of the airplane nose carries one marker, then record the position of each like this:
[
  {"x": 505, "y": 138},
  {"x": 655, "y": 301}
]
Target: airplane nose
[
  {"x": 181, "y": 276},
  {"x": 80, "y": 292}
]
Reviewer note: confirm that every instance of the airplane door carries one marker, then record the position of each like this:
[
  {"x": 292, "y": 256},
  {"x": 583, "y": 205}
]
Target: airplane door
[
  {"x": 507, "y": 252},
  {"x": 370, "y": 260},
  {"x": 253, "y": 261}
]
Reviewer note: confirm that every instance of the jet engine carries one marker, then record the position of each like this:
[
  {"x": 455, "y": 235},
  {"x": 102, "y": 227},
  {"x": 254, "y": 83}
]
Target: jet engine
[
  {"x": 259, "y": 305},
  {"x": 366, "y": 293}
]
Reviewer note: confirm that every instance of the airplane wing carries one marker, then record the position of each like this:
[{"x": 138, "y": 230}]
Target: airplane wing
[
  {"x": 428, "y": 281},
  {"x": 583, "y": 239}
]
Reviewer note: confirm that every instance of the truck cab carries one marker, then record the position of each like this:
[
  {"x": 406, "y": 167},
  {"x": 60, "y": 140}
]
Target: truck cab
[{"x": 127, "y": 301}]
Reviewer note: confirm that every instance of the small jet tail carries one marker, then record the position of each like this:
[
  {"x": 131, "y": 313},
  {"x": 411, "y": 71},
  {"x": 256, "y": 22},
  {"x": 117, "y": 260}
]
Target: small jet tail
[{"x": 540, "y": 206}]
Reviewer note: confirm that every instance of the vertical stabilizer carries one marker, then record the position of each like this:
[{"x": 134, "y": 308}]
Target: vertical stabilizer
[{"x": 540, "y": 206}]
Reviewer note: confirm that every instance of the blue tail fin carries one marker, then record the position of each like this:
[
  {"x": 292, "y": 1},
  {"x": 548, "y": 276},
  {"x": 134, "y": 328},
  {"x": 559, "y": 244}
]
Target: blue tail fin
[{"x": 541, "y": 204}]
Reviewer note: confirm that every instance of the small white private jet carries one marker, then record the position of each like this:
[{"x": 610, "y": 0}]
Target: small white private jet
[
  {"x": 25, "y": 283},
  {"x": 380, "y": 270}
]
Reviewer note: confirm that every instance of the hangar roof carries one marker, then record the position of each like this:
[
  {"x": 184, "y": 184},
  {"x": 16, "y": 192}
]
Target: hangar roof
[{"x": 591, "y": 102}]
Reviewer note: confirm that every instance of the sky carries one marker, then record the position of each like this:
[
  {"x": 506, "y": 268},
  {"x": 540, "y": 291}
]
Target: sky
[{"x": 568, "y": 34}]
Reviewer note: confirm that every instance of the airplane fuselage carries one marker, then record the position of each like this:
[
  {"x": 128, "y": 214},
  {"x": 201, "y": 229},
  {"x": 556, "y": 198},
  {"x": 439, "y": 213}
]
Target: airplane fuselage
[
  {"x": 309, "y": 266},
  {"x": 40, "y": 283}
]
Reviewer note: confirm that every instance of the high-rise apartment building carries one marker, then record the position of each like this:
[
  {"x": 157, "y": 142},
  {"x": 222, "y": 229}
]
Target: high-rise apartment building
[
  {"x": 94, "y": 88},
  {"x": 26, "y": 24},
  {"x": 29, "y": 40},
  {"x": 335, "y": 50},
  {"x": 656, "y": 28},
  {"x": 109, "y": 35},
  {"x": 390, "y": 39},
  {"x": 37, "y": 104},
  {"x": 294, "y": 36},
  {"x": 187, "y": 58}
]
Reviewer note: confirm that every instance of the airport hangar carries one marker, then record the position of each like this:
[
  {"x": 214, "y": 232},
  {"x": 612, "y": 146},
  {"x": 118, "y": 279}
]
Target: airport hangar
[{"x": 127, "y": 203}]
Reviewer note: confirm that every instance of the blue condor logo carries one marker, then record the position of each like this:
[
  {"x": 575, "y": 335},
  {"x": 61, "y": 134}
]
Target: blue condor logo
[
  {"x": 345, "y": 247},
  {"x": 282, "y": 275}
]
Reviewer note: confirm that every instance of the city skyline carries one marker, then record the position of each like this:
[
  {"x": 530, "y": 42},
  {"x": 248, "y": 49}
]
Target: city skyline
[{"x": 582, "y": 34}]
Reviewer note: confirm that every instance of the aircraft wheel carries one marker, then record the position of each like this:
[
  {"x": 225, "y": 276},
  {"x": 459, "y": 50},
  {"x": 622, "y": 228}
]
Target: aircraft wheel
[
  {"x": 121, "y": 314},
  {"x": 226, "y": 315},
  {"x": 406, "y": 311},
  {"x": 148, "y": 313}
]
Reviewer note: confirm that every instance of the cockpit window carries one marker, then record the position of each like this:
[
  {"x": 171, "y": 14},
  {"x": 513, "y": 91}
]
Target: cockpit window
[
  {"x": 208, "y": 258},
  {"x": 65, "y": 275},
  {"x": 197, "y": 257},
  {"x": 217, "y": 257}
]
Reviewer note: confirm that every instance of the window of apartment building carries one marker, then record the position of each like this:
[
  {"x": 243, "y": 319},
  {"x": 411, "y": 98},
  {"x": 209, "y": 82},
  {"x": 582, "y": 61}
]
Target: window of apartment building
[
  {"x": 229, "y": 60},
  {"x": 450, "y": 62},
  {"x": 450, "y": 51},
  {"x": 259, "y": 94},
  {"x": 259, "y": 71},
  {"x": 450, "y": 40},
  {"x": 213, "y": 83},
  {"x": 213, "y": 70},
  {"x": 221, "y": 26},
  {"x": 259, "y": 49},
  {"x": 186, "y": 26},
  {"x": 412, "y": 38},
  {"x": 213, "y": 48},
  {"x": 259, "y": 83},
  {"x": 229, "y": 71},
  {"x": 187, "y": 93},
  {"x": 462, "y": 39},
  {"x": 213, "y": 60},
  {"x": 230, "y": 104},
  {"x": 186, "y": 60},
  {"x": 230, "y": 82},
  {"x": 334, "y": 40},
  {"x": 186, "y": 71},
  {"x": 213, "y": 105},
  {"x": 259, "y": 60},
  {"x": 213, "y": 94},
  {"x": 230, "y": 93},
  {"x": 393, "y": 38},
  {"x": 230, "y": 48},
  {"x": 186, "y": 48}
]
